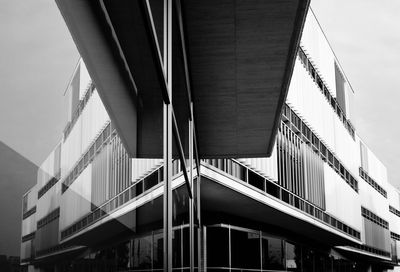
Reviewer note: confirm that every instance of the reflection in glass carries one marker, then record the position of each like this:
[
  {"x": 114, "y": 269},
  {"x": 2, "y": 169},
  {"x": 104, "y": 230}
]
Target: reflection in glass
[
  {"x": 176, "y": 248},
  {"x": 308, "y": 260},
  {"x": 272, "y": 253},
  {"x": 245, "y": 249},
  {"x": 141, "y": 253},
  {"x": 323, "y": 262},
  {"x": 122, "y": 251},
  {"x": 158, "y": 250},
  {"x": 217, "y": 247},
  {"x": 293, "y": 257}
]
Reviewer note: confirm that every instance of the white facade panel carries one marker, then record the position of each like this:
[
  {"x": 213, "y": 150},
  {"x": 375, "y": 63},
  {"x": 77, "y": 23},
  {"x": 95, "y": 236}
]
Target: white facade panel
[
  {"x": 72, "y": 148},
  {"x": 346, "y": 148},
  {"x": 338, "y": 195},
  {"x": 28, "y": 225},
  {"x": 350, "y": 105},
  {"x": 49, "y": 201},
  {"x": 316, "y": 46},
  {"x": 94, "y": 118},
  {"x": 26, "y": 249},
  {"x": 142, "y": 167},
  {"x": 372, "y": 200},
  {"x": 376, "y": 236},
  {"x": 377, "y": 170},
  {"x": 393, "y": 196},
  {"x": 90, "y": 123},
  {"x": 46, "y": 170},
  {"x": 32, "y": 197},
  {"x": 306, "y": 99},
  {"x": 84, "y": 78},
  {"x": 394, "y": 223},
  {"x": 76, "y": 201}
]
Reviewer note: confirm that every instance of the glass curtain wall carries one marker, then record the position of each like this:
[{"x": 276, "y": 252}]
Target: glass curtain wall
[
  {"x": 231, "y": 248},
  {"x": 226, "y": 248},
  {"x": 141, "y": 253}
]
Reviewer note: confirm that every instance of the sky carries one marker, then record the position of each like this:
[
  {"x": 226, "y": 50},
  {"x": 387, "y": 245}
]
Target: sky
[{"x": 38, "y": 56}]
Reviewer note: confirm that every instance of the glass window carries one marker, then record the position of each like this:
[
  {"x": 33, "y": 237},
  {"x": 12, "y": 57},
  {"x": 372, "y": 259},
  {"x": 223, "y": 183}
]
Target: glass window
[
  {"x": 158, "y": 251},
  {"x": 272, "y": 189},
  {"x": 256, "y": 180},
  {"x": 176, "y": 249},
  {"x": 122, "y": 251},
  {"x": 272, "y": 253},
  {"x": 308, "y": 260},
  {"x": 323, "y": 262},
  {"x": 293, "y": 257},
  {"x": 141, "y": 252},
  {"x": 245, "y": 250},
  {"x": 150, "y": 181},
  {"x": 217, "y": 247},
  {"x": 186, "y": 247}
]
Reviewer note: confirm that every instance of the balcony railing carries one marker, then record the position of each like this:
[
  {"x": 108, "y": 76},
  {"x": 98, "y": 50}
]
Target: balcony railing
[
  {"x": 132, "y": 192},
  {"x": 257, "y": 181}
]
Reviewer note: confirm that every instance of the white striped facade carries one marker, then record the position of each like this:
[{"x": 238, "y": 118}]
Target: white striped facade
[
  {"x": 310, "y": 104},
  {"x": 108, "y": 171}
]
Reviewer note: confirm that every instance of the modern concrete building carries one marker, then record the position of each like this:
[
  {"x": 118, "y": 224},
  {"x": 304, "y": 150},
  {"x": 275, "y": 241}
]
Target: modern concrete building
[{"x": 310, "y": 196}]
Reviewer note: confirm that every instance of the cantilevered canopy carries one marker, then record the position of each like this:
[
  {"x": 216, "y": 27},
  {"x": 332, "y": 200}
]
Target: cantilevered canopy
[{"x": 232, "y": 59}]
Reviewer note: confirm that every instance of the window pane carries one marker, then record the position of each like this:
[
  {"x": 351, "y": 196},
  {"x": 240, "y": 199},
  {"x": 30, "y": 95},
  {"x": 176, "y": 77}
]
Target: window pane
[
  {"x": 217, "y": 247},
  {"x": 186, "y": 247},
  {"x": 123, "y": 255},
  {"x": 176, "y": 249},
  {"x": 293, "y": 257},
  {"x": 272, "y": 253},
  {"x": 322, "y": 262},
  {"x": 245, "y": 250},
  {"x": 158, "y": 251},
  {"x": 308, "y": 260},
  {"x": 141, "y": 252},
  {"x": 256, "y": 180}
]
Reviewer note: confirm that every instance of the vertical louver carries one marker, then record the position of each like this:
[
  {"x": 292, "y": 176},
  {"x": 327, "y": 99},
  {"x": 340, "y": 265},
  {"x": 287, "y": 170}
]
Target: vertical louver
[
  {"x": 314, "y": 177},
  {"x": 300, "y": 170}
]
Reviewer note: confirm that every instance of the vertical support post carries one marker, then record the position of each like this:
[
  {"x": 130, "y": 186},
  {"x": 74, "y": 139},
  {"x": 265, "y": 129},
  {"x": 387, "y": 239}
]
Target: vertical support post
[
  {"x": 204, "y": 248},
  {"x": 167, "y": 139},
  {"x": 261, "y": 250},
  {"x": 230, "y": 249},
  {"x": 201, "y": 264},
  {"x": 191, "y": 200},
  {"x": 200, "y": 240}
]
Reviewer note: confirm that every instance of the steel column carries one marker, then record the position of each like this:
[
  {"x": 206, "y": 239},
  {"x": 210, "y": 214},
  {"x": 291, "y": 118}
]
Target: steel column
[
  {"x": 167, "y": 141},
  {"x": 191, "y": 200}
]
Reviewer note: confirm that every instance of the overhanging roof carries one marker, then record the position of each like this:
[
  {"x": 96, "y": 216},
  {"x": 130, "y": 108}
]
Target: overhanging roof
[{"x": 240, "y": 53}]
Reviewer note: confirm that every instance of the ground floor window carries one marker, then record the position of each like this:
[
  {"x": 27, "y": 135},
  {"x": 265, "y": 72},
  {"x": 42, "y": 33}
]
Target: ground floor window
[
  {"x": 217, "y": 247},
  {"x": 224, "y": 248},
  {"x": 232, "y": 248},
  {"x": 245, "y": 249}
]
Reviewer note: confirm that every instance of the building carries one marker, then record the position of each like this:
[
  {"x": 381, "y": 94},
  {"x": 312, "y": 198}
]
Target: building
[{"x": 320, "y": 202}]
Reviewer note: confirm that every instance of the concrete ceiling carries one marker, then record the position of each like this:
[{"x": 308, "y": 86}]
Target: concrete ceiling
[{"x": 240, "y": 54}]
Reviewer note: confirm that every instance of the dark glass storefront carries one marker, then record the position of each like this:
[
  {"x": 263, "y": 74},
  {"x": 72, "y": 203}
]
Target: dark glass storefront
[
  {"x": 231, "y": 248},
  {"x": 226, "y": 248},
  {"x": 143, "y": 253}
]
